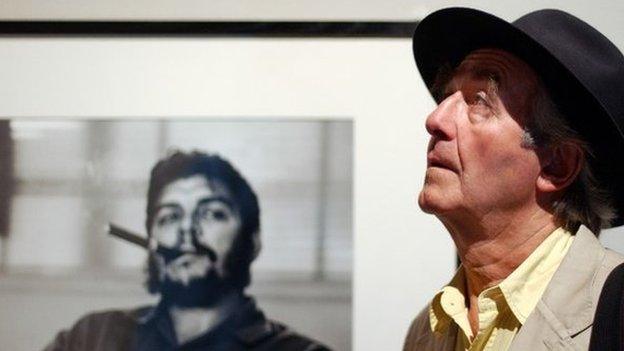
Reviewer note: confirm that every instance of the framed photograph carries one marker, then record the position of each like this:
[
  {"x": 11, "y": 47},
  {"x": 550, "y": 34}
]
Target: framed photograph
[
  {"x": 93, "y": 106},
  {"x": 60, "y": 262}
]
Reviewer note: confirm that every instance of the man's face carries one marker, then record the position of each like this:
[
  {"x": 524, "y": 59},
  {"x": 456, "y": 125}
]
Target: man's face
[
  {"x": 199, "y": 220},
  {"x": 476, "y": 161}
]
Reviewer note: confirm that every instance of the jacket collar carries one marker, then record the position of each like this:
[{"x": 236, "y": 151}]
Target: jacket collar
[
  {"x": 566, "y": 305},
  {"x": 247, "y": 325},
  {"x": 569, "y": 294}
]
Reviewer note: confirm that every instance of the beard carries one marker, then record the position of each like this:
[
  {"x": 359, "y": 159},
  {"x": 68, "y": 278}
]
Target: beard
[
  {"x": 198, "y": 292},
  {"x": 202, "y": 288}
]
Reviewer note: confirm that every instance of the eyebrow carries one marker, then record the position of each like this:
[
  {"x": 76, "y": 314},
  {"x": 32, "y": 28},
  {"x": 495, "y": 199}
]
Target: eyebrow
[
  {"x": 204, "y": 201},
  {"x": 492, "y": 77},
  {"x": 444, "y": 85},
  {"x": 222, "y": 199},
  {"x": 486, "y": 73},
  {"x": 166, "y": 205}
]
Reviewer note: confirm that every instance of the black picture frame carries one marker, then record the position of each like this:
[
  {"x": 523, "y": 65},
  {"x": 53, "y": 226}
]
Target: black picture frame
[{"x": 283, "y": 29}]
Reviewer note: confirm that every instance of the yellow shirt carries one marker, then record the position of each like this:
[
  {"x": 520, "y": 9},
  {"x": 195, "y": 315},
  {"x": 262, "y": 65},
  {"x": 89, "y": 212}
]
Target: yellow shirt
[{"x": 502, "y": 308}]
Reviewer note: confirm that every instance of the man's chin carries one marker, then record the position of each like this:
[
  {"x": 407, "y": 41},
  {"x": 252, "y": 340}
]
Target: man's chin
[
  {"x": 432, "y": 203},
  {"x": 205, "y": 292}
]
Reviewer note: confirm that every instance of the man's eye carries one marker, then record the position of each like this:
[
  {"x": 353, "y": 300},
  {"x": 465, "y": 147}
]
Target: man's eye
[
  {"x": 167, "y": 219},
  {"x": 480, "y": 98},
  {"x": 214, "y": 214},
  {"x": 219, "y": 215}
]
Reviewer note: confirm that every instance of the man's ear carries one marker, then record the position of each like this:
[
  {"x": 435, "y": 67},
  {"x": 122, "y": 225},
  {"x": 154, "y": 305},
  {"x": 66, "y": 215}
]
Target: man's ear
[{"x": 561, "y": 165}]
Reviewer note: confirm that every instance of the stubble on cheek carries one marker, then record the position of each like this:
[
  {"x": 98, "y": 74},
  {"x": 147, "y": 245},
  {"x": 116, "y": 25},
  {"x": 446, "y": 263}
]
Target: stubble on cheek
[
  {"x": 423, "y": 202},
  {"x": 426, "y": 197},
  {"x": 440, "y": 190}
]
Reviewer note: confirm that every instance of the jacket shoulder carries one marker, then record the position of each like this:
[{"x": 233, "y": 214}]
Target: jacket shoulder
[
  {"x": 609, "y": 318},
  {"x": 610, "y": 261},
  {"x": 419, "y": 330},
  {"x": 97, "y": 328},
  {"x": 273, "y": 335},
  {"x": 565, "y": 313}
]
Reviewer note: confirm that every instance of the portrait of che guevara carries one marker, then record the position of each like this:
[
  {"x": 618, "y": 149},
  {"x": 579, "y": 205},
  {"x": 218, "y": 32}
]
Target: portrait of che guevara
[{"x": 203, "y": 233}]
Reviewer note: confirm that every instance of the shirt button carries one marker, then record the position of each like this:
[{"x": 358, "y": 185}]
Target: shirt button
[{"x": 452, "y": 301}]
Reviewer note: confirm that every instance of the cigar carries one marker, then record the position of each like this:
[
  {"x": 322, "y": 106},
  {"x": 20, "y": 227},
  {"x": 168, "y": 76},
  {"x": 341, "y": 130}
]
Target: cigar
[
  {"x": 169, "y": 253},
  {"x": 127, "y": 235}
]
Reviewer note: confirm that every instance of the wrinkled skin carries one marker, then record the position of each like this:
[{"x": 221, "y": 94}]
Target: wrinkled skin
[{"x": 476, "y": 162}]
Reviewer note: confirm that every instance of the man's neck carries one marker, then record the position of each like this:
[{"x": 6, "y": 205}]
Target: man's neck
[
  {"x": 192, "y": 322},
  {"x": 492, "y": 248}
]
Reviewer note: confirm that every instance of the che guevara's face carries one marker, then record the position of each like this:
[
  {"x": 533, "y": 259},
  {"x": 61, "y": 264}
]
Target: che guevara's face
[
  {"x": 476, "y": 160},
  {"x": 199, "y": 220}
]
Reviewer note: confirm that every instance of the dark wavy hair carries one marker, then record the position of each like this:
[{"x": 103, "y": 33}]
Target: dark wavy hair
[{"x": 216, "y": 170}]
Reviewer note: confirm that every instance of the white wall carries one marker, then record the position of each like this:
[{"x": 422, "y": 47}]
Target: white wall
[
  {"x": 604, "y": 13},
  {"x": 372, "y": 81},
  {"x": 402, "y": 256}
]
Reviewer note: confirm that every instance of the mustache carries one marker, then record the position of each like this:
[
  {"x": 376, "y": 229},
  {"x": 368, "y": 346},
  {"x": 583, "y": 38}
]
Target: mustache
[{"x": 170, "y": 254}]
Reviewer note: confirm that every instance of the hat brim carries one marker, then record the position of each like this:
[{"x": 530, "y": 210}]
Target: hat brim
[{"x": 444, "y": 38}]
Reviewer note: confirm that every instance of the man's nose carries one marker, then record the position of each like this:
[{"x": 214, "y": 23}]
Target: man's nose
[
  {"x": 187, "y": 231},
  {"x": 441, "y": 122}
]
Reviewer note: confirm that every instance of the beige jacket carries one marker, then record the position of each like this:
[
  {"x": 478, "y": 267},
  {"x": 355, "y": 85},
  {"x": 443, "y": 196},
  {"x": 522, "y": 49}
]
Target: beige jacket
[{"x": 564, "y": 315}]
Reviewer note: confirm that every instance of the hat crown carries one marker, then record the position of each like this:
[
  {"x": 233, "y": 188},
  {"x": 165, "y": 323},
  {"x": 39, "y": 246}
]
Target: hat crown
[{"x": 592, "y": 58}]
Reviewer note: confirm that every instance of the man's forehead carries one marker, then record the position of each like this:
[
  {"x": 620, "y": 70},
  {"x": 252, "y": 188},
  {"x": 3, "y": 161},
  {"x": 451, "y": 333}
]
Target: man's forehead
[
  {"x": 497, "y": 71},
  {"x": 193, "y": 188},
  {"x": 495, "y": 64}
]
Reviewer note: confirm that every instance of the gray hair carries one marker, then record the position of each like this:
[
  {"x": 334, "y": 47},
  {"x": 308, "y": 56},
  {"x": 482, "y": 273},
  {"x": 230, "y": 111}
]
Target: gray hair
[{"x": 584, "y": 201}]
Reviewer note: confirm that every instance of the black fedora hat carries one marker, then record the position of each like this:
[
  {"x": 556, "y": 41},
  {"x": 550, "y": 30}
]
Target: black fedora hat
[{"x": 581, "y": 69}]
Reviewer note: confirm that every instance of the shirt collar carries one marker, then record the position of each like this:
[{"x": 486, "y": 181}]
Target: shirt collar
[
  {"x": 521, "y": 290},
  {"x": 524, "y": 287},
  {"x": 449, "y": 304}
]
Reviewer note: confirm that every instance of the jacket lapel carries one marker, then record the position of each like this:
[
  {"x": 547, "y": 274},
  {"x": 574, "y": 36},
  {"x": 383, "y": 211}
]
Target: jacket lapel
[{"x": 565, "y": 309}]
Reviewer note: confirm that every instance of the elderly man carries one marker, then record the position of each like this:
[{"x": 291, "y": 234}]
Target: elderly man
[
  {"x": 521, "y": 172},
  {"x": 203, "y": 225}
]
